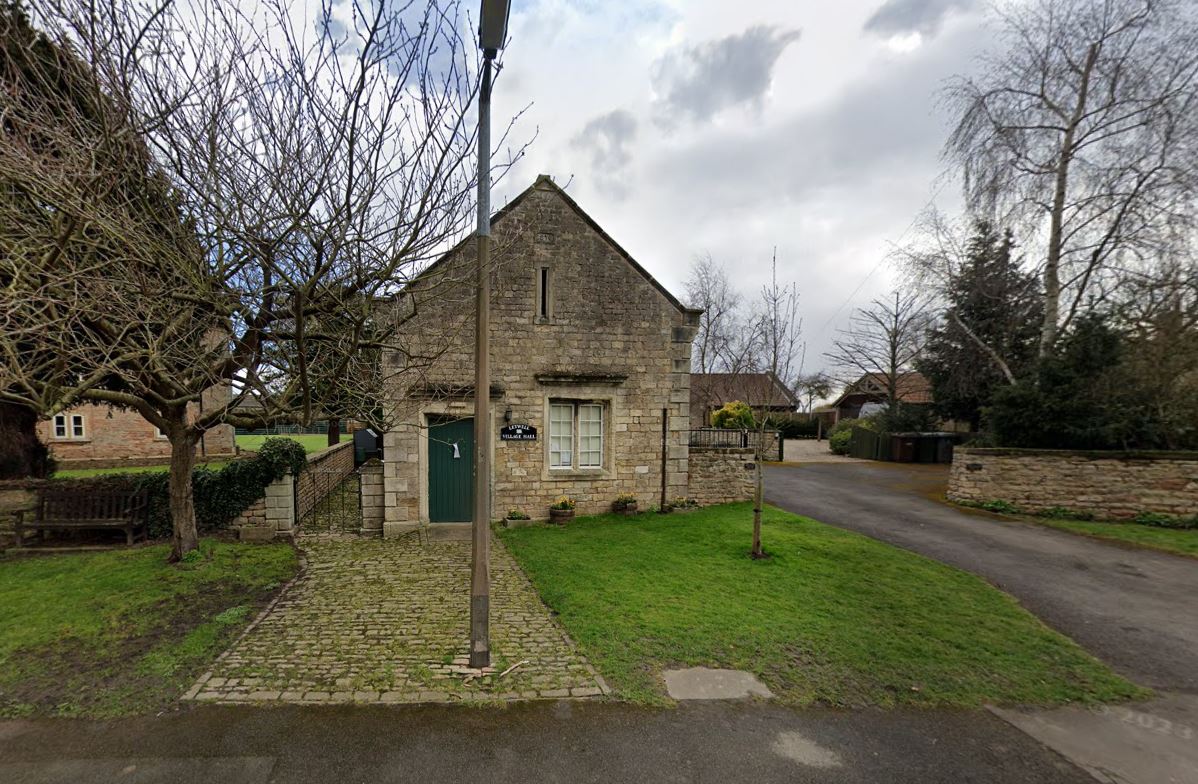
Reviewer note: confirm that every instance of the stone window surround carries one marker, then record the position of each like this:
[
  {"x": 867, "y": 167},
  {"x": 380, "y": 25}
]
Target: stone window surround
[
  {"x": 549, "y": 298},
  {"x": 69, "y": 421},
  {"x": 442, "y": 409},
  {"x": 606, "y": 471}
]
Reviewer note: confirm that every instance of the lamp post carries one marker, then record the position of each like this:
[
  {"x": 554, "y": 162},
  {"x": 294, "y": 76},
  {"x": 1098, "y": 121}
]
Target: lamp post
[{"x": 492, "y": 31}]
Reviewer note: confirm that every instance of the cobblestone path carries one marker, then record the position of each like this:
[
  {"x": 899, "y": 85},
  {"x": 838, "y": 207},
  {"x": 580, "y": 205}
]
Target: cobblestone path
[{"x": 388, "y": 621}]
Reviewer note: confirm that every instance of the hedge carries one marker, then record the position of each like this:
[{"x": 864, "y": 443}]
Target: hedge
[{"x": 220, "y": 494}]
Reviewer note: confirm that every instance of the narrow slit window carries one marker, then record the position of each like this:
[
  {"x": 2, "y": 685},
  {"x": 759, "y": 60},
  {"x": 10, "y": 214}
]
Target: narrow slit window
[{"x": 543, "y": 305}]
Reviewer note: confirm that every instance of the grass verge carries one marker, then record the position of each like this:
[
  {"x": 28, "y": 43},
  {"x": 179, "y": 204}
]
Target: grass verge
[
  {"x": 122, "y": 632},
  {"x": 1169, "y": 540},
  {"x": 831, "y": 618}
]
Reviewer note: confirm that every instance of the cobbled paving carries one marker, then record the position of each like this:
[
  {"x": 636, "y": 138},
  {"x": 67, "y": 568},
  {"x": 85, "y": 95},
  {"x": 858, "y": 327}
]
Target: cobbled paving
[{"x": 376, "y": 621}]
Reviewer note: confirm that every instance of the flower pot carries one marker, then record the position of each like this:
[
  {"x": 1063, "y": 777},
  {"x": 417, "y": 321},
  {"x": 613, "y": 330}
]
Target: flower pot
[
  {"x": 560, "y": 516},
  {"x": 628, "y": 509}
]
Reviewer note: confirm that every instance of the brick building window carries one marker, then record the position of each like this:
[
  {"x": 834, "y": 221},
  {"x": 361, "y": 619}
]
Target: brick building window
[
  {"x": 575, "y": 435},
  {"x": 69, "y": 426}
]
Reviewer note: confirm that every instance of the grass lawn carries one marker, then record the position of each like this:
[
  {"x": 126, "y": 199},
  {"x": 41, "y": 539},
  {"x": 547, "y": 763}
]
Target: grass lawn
[
  {"x": 1170, "y": 540},
  {"x": 312, "y": 442},
  {"x": 121, "y": 631},
  {"x": 832, "y": 618}
]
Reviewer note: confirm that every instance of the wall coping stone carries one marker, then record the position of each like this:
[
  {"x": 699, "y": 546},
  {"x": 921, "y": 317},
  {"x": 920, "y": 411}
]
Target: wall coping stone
[{"x": 1089, "y": 454}]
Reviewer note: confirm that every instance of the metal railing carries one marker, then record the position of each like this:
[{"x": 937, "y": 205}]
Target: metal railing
[{"x": 767, "y": 443}]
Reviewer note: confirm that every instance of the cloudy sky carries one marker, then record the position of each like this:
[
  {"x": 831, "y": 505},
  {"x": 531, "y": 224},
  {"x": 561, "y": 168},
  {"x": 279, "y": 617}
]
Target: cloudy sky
[{"x": 701, "y": 126}]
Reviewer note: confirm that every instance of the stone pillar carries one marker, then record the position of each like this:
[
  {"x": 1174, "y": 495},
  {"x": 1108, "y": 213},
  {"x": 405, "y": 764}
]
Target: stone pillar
[
  {"x": 280, "y": 506},
  {"x": 371, "y": 494}
]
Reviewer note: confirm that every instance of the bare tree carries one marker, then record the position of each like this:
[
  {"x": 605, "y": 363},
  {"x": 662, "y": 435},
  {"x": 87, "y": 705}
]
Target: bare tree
[
  {"x": 883, "y": 341},
  {"x": 226, "y": 197},
  {"x": 708, "y": 288},
  {"x": 773, "y": 351},
  {"x": 1082, "y": 129}
]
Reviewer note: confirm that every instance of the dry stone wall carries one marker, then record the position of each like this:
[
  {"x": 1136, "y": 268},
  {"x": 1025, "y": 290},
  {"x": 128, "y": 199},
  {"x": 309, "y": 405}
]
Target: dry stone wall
[
  {"x": 1115, "y": 485},
  {"x": 721, "y": 476}
]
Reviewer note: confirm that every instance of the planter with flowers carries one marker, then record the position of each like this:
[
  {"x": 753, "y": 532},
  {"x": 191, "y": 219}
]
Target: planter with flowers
[
  {"x": 624, "y": 504},
  {"x": 515, "y": 517},
  {"x": 561, "y": 510}
]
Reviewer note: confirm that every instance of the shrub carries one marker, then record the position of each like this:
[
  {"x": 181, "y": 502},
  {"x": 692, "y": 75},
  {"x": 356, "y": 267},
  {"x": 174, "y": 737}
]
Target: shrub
[
  {"x": 516, "y": 514},
  {"x": 841, "y": 434},
  {"x": 1157, "y": 520},
  {"x": 1062, "y": 513},
  {"x": 1000, "y": 506},
  {"x": 736, "y": 415},
  {"x": 220, "y": 494}
]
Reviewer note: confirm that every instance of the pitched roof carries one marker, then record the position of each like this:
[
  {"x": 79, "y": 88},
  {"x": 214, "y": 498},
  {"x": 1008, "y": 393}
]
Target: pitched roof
[
  {"x": 756, "y": 389},
  {"x": 545, "y": 182},
  {"x": 912, "y": 387}
]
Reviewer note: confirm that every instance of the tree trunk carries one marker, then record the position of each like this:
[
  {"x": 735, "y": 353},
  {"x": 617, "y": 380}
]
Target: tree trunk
[
  {"x": 22, "y": 454},
  {"x": 184, "y": 537},
  {"x": 1052, "y": 263},
  {"x": 334, "y": 431},
  {"x": 758, "y": 496}
]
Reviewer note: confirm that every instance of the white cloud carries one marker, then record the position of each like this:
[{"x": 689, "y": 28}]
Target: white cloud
[{"x": 826, "y": 146}]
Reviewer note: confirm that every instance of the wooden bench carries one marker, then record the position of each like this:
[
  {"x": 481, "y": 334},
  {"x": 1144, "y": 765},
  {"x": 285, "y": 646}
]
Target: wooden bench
[{"x": 69, "y": 510}]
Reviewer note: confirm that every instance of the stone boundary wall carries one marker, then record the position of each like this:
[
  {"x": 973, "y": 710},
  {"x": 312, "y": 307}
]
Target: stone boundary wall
[
  {"x": 1113, "y": 485},
  {"x": 721, "y": 475},
  {"x": 326, "y": 469},
  {"x": 271, "y": 515},
  {"x": 289, "y": 499}
]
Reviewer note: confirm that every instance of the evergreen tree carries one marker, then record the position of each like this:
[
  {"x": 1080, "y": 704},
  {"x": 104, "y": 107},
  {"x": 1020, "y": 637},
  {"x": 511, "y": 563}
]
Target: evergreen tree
[
  {"x": 1078, "y": 397},
  {"x": 988, "y": 336}
]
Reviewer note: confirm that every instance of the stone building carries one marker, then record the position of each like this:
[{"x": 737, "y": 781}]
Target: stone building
[
  {"x": 590, "y": 370},
  {"x": 94, "y": 435}
]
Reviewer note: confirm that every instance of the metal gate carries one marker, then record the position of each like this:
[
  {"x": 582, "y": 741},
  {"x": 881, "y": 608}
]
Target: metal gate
[{"x": 328, "y": 502}]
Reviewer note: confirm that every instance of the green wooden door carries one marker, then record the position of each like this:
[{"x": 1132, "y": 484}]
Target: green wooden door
[{"x": 451, "y": 471}]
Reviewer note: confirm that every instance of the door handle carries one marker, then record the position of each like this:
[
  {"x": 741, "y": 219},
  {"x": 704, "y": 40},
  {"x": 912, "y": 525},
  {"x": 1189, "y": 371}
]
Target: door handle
[{"x": 457, "y": 455}]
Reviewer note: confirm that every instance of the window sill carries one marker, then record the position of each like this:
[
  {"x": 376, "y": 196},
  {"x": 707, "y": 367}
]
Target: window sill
[
  {"x": 577, "y": 473},
  {"x": 70, "y": 440}
]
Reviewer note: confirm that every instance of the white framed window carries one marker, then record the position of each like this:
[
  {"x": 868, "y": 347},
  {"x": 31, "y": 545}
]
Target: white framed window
[
  {"x": 590, "y": 436},
  {"x": 158, "y": 433},
  {"x": 561, "y": 435},
  {"x": 68, "y": 426},
  {"x": 575, "y": 435}
]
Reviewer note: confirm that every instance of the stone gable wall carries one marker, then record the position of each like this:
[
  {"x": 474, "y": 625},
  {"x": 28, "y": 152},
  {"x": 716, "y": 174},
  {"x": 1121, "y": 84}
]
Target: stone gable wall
[
  {"x": 606, "y": 321},
  {"x": 721, "y": 476},
  {"x": 1114, "y": 485}
]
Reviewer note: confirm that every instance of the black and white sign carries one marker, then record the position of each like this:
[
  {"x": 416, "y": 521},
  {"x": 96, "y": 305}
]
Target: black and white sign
[{"x": 517, "y": 433}]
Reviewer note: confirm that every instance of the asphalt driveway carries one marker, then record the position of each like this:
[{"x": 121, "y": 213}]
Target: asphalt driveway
[{"x": 1134, "y": 609}]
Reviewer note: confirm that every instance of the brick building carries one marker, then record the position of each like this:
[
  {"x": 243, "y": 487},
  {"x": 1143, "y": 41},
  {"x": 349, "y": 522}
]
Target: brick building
[
  {"x": 95, "y": 435},
  {"x": 589, "y": 356},
  {"x": 763, "y": 392}
]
